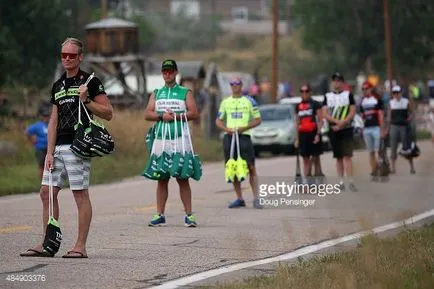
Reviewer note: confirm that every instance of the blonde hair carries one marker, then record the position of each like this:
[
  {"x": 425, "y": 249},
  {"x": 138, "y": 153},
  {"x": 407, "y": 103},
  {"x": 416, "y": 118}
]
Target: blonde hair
[{"x": 74, "y": 41}]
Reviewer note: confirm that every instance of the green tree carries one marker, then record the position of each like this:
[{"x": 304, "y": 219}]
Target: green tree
[
  {"x": 30, "y": 35},
  {"x": 351, "y": 33}
]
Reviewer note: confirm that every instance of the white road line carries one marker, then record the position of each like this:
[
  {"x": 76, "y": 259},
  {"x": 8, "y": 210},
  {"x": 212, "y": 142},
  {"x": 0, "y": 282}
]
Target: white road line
[{"x": 289, "y": 256}]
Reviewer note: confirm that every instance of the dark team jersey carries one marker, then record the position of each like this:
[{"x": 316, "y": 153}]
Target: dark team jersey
[
  {"x": 306, "y": 112},
  {"x": 65, "y": 96},
  {"x": 370, "y": 107}
]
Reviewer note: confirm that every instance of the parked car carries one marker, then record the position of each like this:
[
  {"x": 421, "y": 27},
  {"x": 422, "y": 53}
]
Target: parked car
[{"x": 276, "y": 133}]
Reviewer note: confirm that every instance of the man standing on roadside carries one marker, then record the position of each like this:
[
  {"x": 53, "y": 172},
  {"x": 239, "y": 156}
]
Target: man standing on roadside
[
  {"x": 66, "y": 94},
  {"x": 241, "y": 113},
  {"x": 165, "y": 106},
  {"x": 339, "y": 108}
]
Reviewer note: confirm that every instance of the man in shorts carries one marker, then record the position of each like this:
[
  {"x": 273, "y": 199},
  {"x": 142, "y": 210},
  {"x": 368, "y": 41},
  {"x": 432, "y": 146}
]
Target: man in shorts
[
  {"x": 66, "y": 94},
  {"x": 308, "y": 137},
  {"x": 339, "y": 108},
  {"x": 241, "y": 113}
]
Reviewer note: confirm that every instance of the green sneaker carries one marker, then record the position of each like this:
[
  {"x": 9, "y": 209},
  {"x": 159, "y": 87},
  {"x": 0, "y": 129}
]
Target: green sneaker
[
  {"x": 157, "y": 221},
  {"x": 190, "y": 221}
]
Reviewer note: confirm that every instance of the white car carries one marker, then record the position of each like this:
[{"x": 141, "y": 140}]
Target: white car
[{"x": 277, "y": 131}]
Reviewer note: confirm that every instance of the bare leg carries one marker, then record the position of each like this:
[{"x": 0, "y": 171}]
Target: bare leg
[
  {"x": 372, "y": 161},
  {"x": 43, "y": 193},
  {"x": 348, "y": 165},
  {"x": 317, "y": 164},
  {"x": 340, "y": 167},
  {"x": 84, "y": 207},
  {"x": 185, "y": 193},
  {"x": 237, "y": 188},
  {"x": 253, "y": 178},
  {"x": 162, "y": 195}
]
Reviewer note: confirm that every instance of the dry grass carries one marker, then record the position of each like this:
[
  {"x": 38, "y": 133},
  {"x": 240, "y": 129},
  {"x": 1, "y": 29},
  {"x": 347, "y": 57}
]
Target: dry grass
[
  {"x": 405, "y": 261},
  {"x": 128, "y": 128}
]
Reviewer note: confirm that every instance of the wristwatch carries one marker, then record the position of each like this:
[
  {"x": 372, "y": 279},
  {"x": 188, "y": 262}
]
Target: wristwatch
[
  {"x": 160, "y": 117},
  {"x": 87, "y": 100}
]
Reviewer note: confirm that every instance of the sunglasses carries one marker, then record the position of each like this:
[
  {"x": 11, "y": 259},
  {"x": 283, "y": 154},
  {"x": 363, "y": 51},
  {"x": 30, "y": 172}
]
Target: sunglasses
[
  {"x": 304, "y": 90},
  {"x": 70, "y": 55},
  {"x": 233, "y": 83},
  {"x": 365, "y": 88},
  {"x": 168, "y": 71}
]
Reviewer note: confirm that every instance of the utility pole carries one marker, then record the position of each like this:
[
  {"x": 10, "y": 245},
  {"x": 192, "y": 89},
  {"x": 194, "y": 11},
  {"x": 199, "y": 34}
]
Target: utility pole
[
  {"x": 275, "y": 68},
  {"x": 103, "y": 9},
  {"x": 388, "y": 42}
]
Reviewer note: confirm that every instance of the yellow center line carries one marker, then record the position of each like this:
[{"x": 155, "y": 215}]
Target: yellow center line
[
  {"x": 14, "y": 229},
  {"x": 146, "y": 208}
]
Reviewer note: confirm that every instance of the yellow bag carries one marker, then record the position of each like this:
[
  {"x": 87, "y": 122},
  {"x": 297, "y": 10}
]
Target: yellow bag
[
  {"x": 242, "y": 169},
  {"x": 231, "y": 164}
]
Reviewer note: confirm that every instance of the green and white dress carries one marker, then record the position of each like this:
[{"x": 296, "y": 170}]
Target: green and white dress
[{"x": 173, "y": 98}]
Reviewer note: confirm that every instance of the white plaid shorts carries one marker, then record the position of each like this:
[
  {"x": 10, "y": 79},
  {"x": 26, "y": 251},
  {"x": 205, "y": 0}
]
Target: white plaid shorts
[{"x": 68, "y": 166}]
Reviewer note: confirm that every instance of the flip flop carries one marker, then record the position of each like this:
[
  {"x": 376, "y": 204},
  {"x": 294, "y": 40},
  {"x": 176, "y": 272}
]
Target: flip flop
[
  {"x": 80, "y": 255},
  {"x": 35, "y": 253}
]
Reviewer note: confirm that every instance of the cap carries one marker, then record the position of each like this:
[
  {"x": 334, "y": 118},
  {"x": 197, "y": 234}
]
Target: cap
[
  {"x": 169, "y": 64},
  {"x": 396, "y": 88},
  {"x": 367, "y": 84},
  {"x": 337, "y": 76}
]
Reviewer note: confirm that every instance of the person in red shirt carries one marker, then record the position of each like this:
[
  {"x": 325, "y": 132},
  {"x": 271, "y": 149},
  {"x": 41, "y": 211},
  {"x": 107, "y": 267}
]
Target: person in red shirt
[{"x": 308, "y": 138}]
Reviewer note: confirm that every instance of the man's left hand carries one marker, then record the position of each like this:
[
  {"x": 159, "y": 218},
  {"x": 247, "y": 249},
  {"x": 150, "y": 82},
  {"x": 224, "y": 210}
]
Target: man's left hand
[
  {"x": 83, "y": 92},
  {"x": 241, "y": 130}
]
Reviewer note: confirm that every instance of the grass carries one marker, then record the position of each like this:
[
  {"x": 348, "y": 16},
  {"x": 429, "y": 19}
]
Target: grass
[
  {"x": 19, "y": 169},
  {"x": 405, "y": 261}
]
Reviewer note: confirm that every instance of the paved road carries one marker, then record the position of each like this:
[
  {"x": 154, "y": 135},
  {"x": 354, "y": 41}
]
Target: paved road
[{"x": 125, "y": 253}]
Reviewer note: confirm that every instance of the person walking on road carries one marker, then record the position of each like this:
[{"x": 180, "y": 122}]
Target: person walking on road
[
  {"x": 371, "y": 109},
  {"x": 339, "y": 108},
  {"x": 66, "y": 94},
  {"x": 241, "y": 113},
  {"x": 166, "y": 104},
  {"x": 399, "y": 126},
  {"x": 37, "y": 134},
  {"x": 308, "y": 137}
]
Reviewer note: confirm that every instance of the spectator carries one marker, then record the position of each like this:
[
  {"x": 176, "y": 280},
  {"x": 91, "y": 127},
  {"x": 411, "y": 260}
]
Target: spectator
[{"x": 37, "y": 134}]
